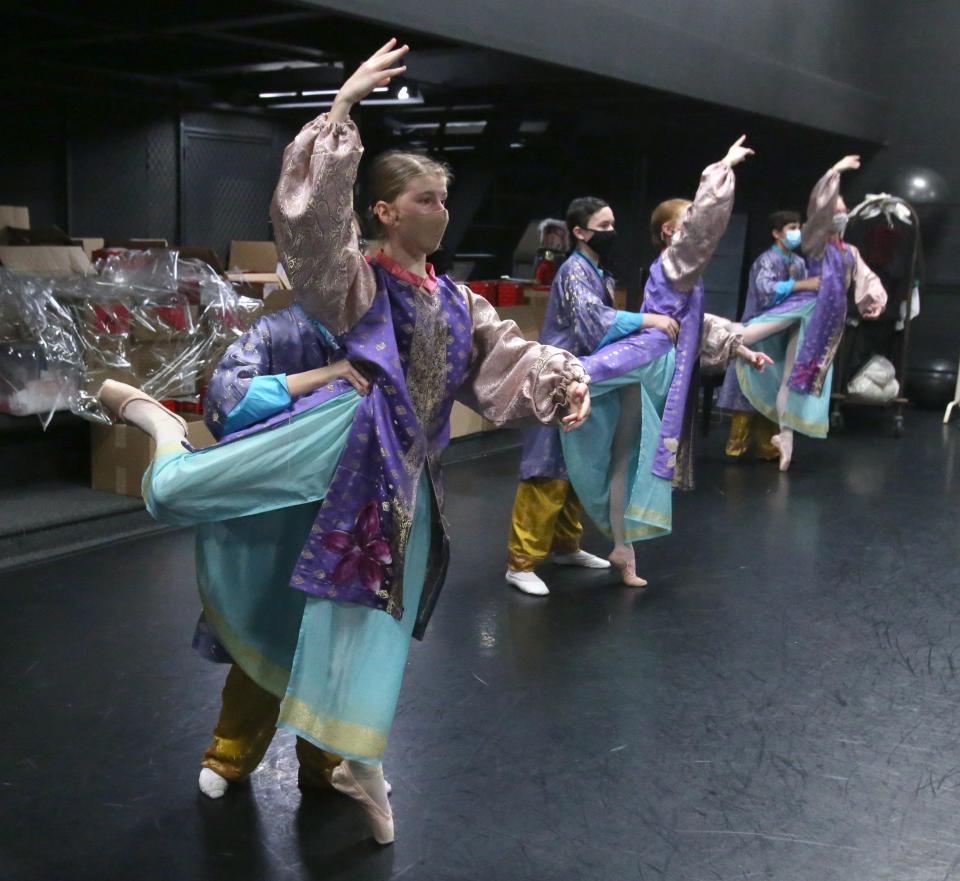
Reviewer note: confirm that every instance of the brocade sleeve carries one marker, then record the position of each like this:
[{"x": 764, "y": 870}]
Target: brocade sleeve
[
  {"x": 868, "y": 291},
  {"x": 705, "y": 223},
  {"x": 511, "y": 377},
  {"x": 820, "y": 210},
  {"x": 719, "y": 343},
  {"x": 312, "y": 213}
]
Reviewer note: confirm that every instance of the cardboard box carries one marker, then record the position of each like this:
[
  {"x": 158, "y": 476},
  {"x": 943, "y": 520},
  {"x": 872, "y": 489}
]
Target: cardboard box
[
  {"x": 253, "y": 257},
  {"x": 527, "y": 317},
  {"x": 464, "y": 421},
  {"x": 89, "y": 246},
  {"x": 169, "y": 359},
  {"x": 277, "y": 299},
  {"x": 47, "y": 260},
  {"x": 258, "y": 284},
  {"x": 136, "y": 244},
  {"x": 15, "y": 216},
  {"x": 119, "y": 454}
]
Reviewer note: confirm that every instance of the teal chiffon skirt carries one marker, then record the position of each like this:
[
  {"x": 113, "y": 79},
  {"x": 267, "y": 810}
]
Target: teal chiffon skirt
[
  {"x": 336, "y": 666},
  {"x": 807, "y": 414},
  {"x": 648, "y": 505}
]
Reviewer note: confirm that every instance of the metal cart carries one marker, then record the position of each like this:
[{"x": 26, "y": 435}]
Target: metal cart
[{"x": 886, "y": 229}]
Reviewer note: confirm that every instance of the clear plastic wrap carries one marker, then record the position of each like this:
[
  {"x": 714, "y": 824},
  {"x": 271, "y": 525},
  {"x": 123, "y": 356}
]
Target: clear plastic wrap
[
  {"x": 40, "y": 363},
  {"x": 147, "y": 318}
]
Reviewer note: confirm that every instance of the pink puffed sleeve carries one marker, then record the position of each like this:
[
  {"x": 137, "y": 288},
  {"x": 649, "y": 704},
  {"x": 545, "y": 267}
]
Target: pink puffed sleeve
[
  {"x": 312, "y": 213},
  {"x": 511, "y": 377},
  {"x": 868, "y": 291},
  {"x": 818, "y": 229},
  {"x": 719, "y": 343},
  {"x": 705, "y": 223}
]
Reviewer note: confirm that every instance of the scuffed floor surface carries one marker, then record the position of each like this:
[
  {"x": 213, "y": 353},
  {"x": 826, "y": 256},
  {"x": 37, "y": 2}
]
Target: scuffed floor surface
[{"x": 782, "y": 703}]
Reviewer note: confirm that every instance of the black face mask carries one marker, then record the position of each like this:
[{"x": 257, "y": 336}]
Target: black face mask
[{"x": 602, "y": 242}]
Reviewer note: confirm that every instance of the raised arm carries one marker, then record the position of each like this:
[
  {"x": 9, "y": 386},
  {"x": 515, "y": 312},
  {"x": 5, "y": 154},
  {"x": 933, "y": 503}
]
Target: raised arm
[
  {"x": 513, "y": 378},
  {"x": 312, "y": 209},
  {"x": 685, "y": 260},
  {"x": 822, "y": 207}
]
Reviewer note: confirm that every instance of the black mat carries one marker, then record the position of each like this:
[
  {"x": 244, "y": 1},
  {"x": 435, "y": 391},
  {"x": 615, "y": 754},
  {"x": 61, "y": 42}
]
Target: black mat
[{"x": 781, "y": 703}]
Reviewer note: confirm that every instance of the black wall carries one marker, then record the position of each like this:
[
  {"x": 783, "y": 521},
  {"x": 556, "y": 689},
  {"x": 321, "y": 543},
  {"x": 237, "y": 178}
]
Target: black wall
[{"x": 125, "y": 177}]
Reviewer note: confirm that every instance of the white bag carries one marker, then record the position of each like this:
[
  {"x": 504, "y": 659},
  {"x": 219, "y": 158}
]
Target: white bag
[{"x": 876, "y": 382}]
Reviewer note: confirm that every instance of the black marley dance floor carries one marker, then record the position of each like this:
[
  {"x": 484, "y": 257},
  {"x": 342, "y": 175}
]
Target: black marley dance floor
[{"x": 782, "y": 703}]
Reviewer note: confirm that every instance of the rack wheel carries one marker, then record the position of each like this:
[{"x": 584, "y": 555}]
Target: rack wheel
[
  {"x": 837, "y": 421},
  {"x": 898, "y": 425}
]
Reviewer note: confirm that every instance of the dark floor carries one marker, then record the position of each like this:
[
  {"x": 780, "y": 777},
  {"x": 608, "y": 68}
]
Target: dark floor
[{"x": 782, "y": 703}]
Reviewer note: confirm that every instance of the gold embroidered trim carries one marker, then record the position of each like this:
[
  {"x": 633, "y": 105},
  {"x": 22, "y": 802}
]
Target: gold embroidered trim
[{"x": 332, "y": 735}]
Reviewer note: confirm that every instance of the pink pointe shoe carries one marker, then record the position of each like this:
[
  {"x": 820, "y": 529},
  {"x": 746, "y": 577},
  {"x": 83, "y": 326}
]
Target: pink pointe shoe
[
  {"x": 381, "y": 822},
  {"x": 628, "y": 572},
  {"x": 116, "y": 396},
  {"x": 785, "y": 450}
]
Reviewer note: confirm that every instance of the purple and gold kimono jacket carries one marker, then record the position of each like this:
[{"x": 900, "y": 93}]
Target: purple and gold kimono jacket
[
  {"x": 675, "y": 288},
  {"x": 839, "y": 266},
  {"x": 771, "y": 268},
  {"x": 425, "y": 343},
  {"x": 284, "y": 342},
  {"x": 580, "y": 311}
]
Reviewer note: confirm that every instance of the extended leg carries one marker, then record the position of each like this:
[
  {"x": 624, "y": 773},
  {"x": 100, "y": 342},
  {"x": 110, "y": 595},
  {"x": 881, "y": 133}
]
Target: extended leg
[
  {"x": 784, "y": 440},
  {"x": 624, "y": 443}
]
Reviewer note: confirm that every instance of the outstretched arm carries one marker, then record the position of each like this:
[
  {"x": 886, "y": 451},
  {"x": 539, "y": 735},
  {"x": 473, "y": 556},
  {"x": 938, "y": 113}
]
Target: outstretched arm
[
  {"x": 823, "y": 206},
  {"x": 312, "y": 209},
  {"x": 685, "y": 260},
  {"x": 513, "y": 378}
]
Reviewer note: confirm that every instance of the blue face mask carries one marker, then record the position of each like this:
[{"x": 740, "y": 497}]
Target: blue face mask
[{"x": 792, "y": 238}]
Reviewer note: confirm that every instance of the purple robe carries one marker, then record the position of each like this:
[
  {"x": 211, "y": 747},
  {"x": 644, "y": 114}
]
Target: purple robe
[
  {"x": 580, "y": 311},
  {"x": 675, "y": 289},
  {"x": 768, "y": 270},
  {"x": 424, "y": 342},
  {"x": 284, "y": 342}
]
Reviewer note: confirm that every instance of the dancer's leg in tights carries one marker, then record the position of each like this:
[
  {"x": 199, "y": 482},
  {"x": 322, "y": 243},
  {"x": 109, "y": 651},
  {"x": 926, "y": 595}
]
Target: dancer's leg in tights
[{"x": 624, "y": 443}]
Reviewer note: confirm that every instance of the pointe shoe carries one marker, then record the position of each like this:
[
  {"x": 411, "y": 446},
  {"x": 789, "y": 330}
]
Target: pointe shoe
[
  {"x": 628, "y": 573},
  {"x": 785, "y": 450},
  {"x": 116, "y": 396},
  {"x": 212, "y": 785},
  {"x": 381, "y": 822}
]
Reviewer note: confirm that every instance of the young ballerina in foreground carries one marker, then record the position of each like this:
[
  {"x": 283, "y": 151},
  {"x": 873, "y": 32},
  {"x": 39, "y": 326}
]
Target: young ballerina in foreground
[
  {"x": 372, "y": 562},
  {"x": 637, "y": 444}
]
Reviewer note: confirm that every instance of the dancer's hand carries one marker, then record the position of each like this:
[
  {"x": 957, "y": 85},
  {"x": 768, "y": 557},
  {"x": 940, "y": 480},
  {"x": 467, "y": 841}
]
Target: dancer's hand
[
  {"x": 737, "y": 153},
  {"x": 670, "y": 326},
  {"x": 578, "y": 403},
  {"x": 757, "y": 360},
  {"x": 808, "y": 284},
  {"x": 345, "y": 370},
  {"x": 310, "y": 380},
  {"x": 848, "y": 163},
  {"x": 871, "y": 313},
  {"x": 375, "y": 72}
]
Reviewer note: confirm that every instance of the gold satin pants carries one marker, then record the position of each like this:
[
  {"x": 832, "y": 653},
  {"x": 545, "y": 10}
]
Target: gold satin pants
[
  {"x": 248, "y": 720},
  {"x": 752, "y": 430},
  {"x": 546, "y": 518}
]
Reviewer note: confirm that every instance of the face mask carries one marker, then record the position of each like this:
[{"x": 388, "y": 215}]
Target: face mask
[
  {"x": 840, "y": 222},
  {"x": 602, "y": 242},
  {"x": 424, "y": 230},
  {"x": 792, "y": 238}
]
